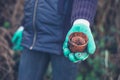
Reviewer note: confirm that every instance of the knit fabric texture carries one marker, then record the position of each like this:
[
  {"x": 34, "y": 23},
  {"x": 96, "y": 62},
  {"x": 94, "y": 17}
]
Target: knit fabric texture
[{"x": 84, "y": 9}]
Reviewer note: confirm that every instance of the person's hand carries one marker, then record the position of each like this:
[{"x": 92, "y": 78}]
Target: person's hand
[
  {"x": 91, "y": 47},
  {"x": 17, "y": 38}
]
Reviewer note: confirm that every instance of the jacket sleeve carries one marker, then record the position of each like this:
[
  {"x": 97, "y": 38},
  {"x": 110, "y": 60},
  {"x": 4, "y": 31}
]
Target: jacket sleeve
[{"x": 84, "y": 9}]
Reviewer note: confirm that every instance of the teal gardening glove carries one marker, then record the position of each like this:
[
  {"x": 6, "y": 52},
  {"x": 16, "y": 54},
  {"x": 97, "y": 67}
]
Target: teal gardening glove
[
  {"x": 17, "y": 38},
  {"x": 91, "y": 47}
]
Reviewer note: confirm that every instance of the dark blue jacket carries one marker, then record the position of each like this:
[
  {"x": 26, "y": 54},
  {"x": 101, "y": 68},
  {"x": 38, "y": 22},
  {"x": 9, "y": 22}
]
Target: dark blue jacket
[{"x": 46, "y": 22}]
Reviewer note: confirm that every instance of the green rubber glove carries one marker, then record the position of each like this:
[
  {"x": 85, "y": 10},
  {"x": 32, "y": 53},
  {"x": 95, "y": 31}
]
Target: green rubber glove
[
  {"x": 17, "y": 38},
  {"x": 91, "y": 47}
]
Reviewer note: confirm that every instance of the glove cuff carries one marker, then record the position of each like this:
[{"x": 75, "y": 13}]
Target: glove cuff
[
  {"x": 81, "y": 21},
  {"x": 21, "y": 28}
]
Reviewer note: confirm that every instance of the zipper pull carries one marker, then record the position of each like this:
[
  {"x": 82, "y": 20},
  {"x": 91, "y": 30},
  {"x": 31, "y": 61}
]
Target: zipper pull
[{"x": 31, "y": 48}]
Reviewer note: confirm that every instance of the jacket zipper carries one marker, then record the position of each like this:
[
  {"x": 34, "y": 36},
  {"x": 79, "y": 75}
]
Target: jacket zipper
[{"x": 35, "y": 32}]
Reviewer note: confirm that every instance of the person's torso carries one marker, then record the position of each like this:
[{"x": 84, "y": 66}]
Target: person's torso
[{"x": 43, "y": 22}]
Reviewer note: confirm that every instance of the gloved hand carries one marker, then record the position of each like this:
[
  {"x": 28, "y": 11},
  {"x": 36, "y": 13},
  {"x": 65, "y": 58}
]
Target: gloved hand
[
  {"x": 17, "y": 38},
  {"x": 91, "y": 47}
]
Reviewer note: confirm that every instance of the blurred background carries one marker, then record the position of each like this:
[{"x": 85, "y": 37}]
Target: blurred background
[{"x": 103, "y": 65}]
